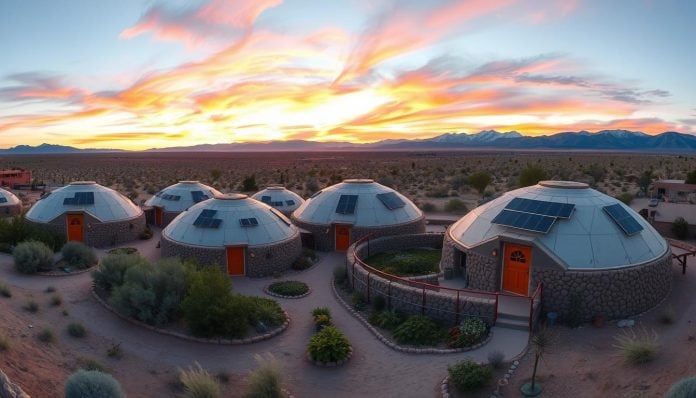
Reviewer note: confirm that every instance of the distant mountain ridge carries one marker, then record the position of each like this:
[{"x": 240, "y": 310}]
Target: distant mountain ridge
[{"x": 608, "y": 140}]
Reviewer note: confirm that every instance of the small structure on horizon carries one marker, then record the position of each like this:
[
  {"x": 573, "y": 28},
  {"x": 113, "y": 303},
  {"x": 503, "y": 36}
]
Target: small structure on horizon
[
  {"x": 10, "y": 205},
  {"x": 594, "y": 255},
  {"x": 337, "y": 216},
  {"x": 279, "y": 197},
  {"x": 168, "y": 203},
  {"x": 677, "y": 191},
  {"x": 88, "y": 212},
  {"x": 15, "y": 178},
  {"x": 241, "y": 235}
]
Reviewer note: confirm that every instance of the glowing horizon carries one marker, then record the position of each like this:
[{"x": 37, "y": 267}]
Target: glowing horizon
[{"x": 224, "y": 71}]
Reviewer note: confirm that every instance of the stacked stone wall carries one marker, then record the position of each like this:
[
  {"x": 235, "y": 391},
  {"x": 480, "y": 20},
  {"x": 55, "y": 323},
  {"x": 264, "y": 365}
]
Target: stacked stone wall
[{"x": 100, "y": 234}]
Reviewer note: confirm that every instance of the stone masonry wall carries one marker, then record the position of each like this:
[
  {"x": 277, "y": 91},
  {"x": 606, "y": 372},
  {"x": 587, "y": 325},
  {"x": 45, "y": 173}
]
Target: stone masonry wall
[
  {"x": 259, "y": 260},
  {"x": 438, "y": 304},
  {"x": 482, "y": 271},
  {"x": 99, "y": 234},
  {"x": 9, "y": 389},
  {"x": 324, "y": 234},
  {"x": 11, "y": 210}
]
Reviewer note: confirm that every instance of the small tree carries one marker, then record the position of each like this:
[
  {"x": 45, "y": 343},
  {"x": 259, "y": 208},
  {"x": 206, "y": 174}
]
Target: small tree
[
  {"x": 691, "y": 177},
  {"x": 645, "y": 180},
  {"x": 532, "y": 175},
  {"x": 480, "y": 181},
  {"x": 540, "y": 342},
  {"x": 249, "y": 183},
  {"x": 680, "y": 228}
]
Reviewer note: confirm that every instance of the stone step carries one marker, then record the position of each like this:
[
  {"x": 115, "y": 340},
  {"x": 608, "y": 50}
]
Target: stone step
[
  {"x": 514, "y": 317},
  {"x": 512, "y": 323}
]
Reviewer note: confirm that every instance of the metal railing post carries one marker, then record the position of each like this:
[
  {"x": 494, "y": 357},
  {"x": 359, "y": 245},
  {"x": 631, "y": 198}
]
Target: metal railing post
[
  {"x": 423, "y": 304},
  {"x": 389, "y": 295},
  {"x": 368, "y": 286},
  {"x": 456, "y": 309},
  {"x": 495, "y": 313},
  {"x": 354, "y": 274}
]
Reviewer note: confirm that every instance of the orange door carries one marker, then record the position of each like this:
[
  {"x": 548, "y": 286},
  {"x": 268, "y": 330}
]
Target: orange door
[
  {"x": 75, "y": 227},
  {"x": 516, "y": 264},
  {"x": 158, "y": 216},
  {"x": 342, "y": 237},
  {"x": 235, "y": 260}
]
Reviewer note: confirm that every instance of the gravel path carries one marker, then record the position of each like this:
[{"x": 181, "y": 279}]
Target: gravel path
[{"x": 374, "y": 370}]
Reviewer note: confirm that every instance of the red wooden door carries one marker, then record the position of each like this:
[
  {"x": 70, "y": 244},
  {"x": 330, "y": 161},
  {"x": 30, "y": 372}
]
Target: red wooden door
[
  {"x": 516, "y": 265},
  {"x": 75, "y": 227},
  {"x": 235, "y": 260},
  {"x": 342, "y": 237},
  {"x": 158, "y": 216}
]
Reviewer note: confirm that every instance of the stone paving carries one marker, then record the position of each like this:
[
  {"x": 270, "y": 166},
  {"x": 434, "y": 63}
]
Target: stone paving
[{"x": 374, "y": 370}]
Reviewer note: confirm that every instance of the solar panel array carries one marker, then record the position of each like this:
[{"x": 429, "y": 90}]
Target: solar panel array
[
  {"x": 206, "y": 220},
  {"x": 199, "y": 196},
  {"x": 551, "y": 209},
  {"x": 391, "y": 200},
  {"x": 248, "y": 222},
  {"x": 266, "y": 199},
  {"x": 3, "y": 199},
  {"x": 346, "y": 204},
  {"x": 623, "y": 219},
  {"x": 277, "y": 203},
  {"x": 167, "y": 196},
  {"x": 290, "y": 202},
  {"x": 80, "y": 198},
  {"x": 524, "y": 221}
]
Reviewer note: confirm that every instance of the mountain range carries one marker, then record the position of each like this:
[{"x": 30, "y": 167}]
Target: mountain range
[{"x": 605, "y": 140}]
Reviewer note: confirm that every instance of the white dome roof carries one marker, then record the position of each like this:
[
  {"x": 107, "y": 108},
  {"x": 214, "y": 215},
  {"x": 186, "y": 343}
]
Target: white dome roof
[
  {"x": 7, "y": 198},
  {"x": 105, "y": 205},
  {"x": 589, "y": 239},
  {"x": 369, "y": 210},
  {"x": 179, "y": 197},
  {"x": 270, "y": 226},
  {"x": 279, "y": 197}
]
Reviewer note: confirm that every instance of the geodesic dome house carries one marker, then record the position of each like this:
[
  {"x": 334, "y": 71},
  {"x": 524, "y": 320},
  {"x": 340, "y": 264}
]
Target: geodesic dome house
[
  {"x": 10, "y": 205},
  {"x": 235, "y": 232},
  {"x": 174, "y": 199},
  {"x": 281, "y": 198},
  {"x": 594, "y": 255},
  {"x": 341, "y": 214},
  {"x": 88, "y": 212}
]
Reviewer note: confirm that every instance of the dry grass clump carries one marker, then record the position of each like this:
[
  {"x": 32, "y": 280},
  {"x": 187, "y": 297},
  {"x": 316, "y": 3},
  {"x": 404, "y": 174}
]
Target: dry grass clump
[
  {"x": 637, "y": 347},
  {"x": 198, "y": 383}
]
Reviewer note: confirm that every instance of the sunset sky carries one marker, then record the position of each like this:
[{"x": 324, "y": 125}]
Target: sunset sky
[{"x": 141, "y": 74}]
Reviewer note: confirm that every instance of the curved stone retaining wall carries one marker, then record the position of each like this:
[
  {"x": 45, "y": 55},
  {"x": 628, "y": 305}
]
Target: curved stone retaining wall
[
  {"x": 441, "y": 305},
  {"x": 9, "y": 389},
  {"x": 324, "y": 234},
  {"x": 100, "y": 234},
  {"x": 612, "y": 293},
  {"x": 259, "y": 260}
]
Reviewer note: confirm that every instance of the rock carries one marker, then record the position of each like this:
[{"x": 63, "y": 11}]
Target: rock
[{"x": 626, "y": 323}]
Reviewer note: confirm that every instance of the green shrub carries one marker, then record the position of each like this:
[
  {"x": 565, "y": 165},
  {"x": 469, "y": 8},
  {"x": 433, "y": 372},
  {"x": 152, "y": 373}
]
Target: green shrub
[
  {"x": 309, "y": 253},
  {"x": 49, "y": 289},
  {"x": 301, "y": 263},
  {"x": 152, "y": 293},
  {"x": 680, "y": 228},
  {"x": 46, "y": 335},
  {"x": 379, "y": 303},
  {"x": 210, "y": 308},
  {"x": 78, "y": 255},
  {"x": 328, "y": 345},
  {"x": 340, "y": 274},
  {"x": 123, "y": 250},
  {"x": 265, "y": 382},
  {"x": 5, "y": 290},
  {"x": 684, "y": 388},
  {"x": 113, "y": 269},
  {"x": 468, "y": 375},
  {"x": 31, "y": 306},
  {"x": 77, "y": 330},
  {"x": 428, "y": 207},
  {"x": 469, "y": 332},
  {"x": 418, "y": 330},
  {"x": 532, "y": 175},
  {"x": 625, "y": 197},
  {"x": 56, "y": 300},
  {"x": 263, "y": 312},
  {"x": 92, "y": 384},
  {"x": 321, "y": 321},
  {"x": 389, "y": 320},
  {"x": 198, "y": 383},
  {"x": 496, "y": 359},
  {"x": 31, "y": 257},
  {"x": 358, "y": 301},
  {"x": 115, "y": 351},
  {"x": 456, "y": 206},
  {"x": 321, "y": 311},
  {"x": 289, "y": 288},
  {"x": 18, "y": 230},
  {"x": 637, "y": 348}
]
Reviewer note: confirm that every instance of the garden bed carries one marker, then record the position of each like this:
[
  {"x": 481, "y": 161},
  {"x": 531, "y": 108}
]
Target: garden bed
[
  {"x": 288, "y": 289},
  {"x": 62, "y": 269},
  {"x": 407, "y": 263}
]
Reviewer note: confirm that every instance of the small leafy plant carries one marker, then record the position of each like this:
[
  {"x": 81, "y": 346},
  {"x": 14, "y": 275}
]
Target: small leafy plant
[
  {"x": 418, "y": 330},
  {"x": 328, "y": 345},
  {"x": 77, "y": 330},
  {"x": 468, "y": 375},
  {"x": 289, "y": 288}
]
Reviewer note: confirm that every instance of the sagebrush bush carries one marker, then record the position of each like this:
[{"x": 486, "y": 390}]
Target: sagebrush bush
[
  {"x": 31, "y": 257},
  {"x": 198, "y": 383},
  {"x": 5, "y": 290},
  {"x": 684, "y": 388},
  {"x": 289, "y": 288},
  {"x": 266, "y": 380},
  {"x": 418, "y": 330},
  {"x": 17, "y": 230},
  {"x": 113, "y": 269},
  {"x": 496, "y": 359},
  {"x": 637, "y": 347},
  {"x": 56, "y": 300},
  {"x": 328, "y": 345},
  {"x": 468, "y": 375},
  {"x": 76, "y": 330},
  {"x": 46, "y": 336},
  {"x": 92, "y": 384},
  {"x": 31, "y": 306},
  {"x": 78, "y": 255}
]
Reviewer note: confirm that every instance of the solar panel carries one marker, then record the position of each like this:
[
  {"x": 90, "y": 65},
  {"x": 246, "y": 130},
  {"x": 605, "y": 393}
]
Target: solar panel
[
  {"x": 346, "y": 204},
  {"x": 174, "y": 198},
  {"x": 248, "y": 222},
  {"x": 391, "y": 200},
  {"x": 524, "y": 221},
  {"x": 278, "y": 203},
  {"x": 290, "y": 202},
  {"x": 3, "y": 199},
  {"x": 199, "y": 196},
  {"x": 623, "y": 219},
  {"x": 281, "y": 216},
  {"x": 551, "y": 209},
  {"x": 80, "y": 198},
  {"x": 266, "y": 199},
  {"x": 206, "y": 220},
  {"x": 208, "y": 213}
]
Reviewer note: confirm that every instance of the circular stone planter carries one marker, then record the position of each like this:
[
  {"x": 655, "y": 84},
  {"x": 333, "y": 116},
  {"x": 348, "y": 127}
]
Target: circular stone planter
[
  {"x": 331, "y": 364},
  {"x": 249, "y": 340},
  {"x": 57, "y": 272},
  {"x": 528, "y": 391},
  {"x": 268, "y": 291}
]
